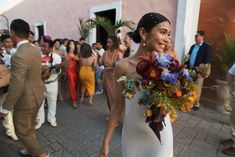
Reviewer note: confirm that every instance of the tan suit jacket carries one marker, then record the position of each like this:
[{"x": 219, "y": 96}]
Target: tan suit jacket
[
  {"x": 26, "y": 89},
  {"x": 25, "y": 95}
]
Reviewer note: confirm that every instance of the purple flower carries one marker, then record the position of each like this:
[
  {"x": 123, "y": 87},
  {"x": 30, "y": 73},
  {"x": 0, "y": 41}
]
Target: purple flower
[
  {"x": 164, "y": 60},
  {"x": 168, "y": 76},
  {"x": 187, "y": 75}
]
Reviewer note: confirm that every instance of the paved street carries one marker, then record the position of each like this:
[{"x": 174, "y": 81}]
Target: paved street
[{"x": 80, "y": 133}]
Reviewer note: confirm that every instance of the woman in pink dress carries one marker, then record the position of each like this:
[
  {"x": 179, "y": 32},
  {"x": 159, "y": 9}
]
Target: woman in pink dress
[
  {"x": 109, "y": 59},
  {"x": 72, "y": 71}
]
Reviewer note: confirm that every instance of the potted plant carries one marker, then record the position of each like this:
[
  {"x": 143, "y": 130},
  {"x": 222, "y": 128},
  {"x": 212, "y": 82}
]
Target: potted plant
[{"x": 226, "y": 60}]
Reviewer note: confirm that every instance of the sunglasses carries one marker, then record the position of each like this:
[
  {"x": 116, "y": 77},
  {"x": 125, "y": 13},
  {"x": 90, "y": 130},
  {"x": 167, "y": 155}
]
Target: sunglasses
[{"x": 196, "y": 35}]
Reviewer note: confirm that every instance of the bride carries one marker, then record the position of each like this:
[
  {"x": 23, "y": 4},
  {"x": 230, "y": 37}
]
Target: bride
[{"x": 138, "y": 139}]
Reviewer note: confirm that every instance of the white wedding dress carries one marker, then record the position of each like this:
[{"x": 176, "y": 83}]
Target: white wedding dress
[{"x": 138, "y": 139}]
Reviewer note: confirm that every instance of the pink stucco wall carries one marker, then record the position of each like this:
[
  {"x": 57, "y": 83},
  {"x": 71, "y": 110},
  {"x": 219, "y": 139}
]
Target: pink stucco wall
[{"x": 62, "y": 16}]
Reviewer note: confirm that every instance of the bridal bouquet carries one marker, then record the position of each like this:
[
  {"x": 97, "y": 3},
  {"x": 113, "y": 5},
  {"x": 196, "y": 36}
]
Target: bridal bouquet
[
  {"x": 166, "y": 87},
  {"x": 204, "y": 70}
]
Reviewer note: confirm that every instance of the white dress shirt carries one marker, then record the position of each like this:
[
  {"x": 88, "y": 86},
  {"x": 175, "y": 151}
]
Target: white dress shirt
[{"x": 56, "y": 59}]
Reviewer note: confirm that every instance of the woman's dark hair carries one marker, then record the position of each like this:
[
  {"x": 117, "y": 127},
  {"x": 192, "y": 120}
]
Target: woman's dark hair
[
  {"x": 48, "y": 40},
  {"x": 129, "y": 34},
  {"x": 116, "y": 42},
  {"x": 75, "y": 47},
  {"x": 4, "y": 37},
  {"x": 64, "y": 40},
  {"x": 82, "y": 39},
  {"x": 148, "y": 21},
  {"x": 57, "y": 40},
  {"x": 128, "y": 51},
  {"x": 21, "y": 28},
  {"x": 86, "y": 50}
]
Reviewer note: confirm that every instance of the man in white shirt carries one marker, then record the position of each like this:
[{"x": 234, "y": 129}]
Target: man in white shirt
[
  {"x": 231, "y": 142},
  {"x": 99, "y": 69},
  {"x": 100, "y": 49},
  {"x": 53, "y": 60}
]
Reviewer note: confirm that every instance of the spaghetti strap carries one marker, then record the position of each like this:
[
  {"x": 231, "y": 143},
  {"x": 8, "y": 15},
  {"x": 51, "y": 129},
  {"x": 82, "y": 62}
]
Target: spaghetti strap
[{"x": 131, "y": 74}]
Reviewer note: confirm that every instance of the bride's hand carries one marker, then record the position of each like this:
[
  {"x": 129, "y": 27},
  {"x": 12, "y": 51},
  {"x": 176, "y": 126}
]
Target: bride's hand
[{"x": 104, "y": 151}]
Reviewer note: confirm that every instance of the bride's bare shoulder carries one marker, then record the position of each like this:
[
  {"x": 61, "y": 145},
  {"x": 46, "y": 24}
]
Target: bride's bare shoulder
[{"x": 122, "y": 66}]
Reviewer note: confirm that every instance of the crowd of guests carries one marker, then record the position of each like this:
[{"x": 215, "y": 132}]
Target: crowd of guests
[{"x": 76, "y": 68}]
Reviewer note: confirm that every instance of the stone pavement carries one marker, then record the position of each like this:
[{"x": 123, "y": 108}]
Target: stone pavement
[{"x": 80, "y": 133}]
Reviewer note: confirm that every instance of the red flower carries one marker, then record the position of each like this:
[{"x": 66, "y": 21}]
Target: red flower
[
  {"x": 142, "y": 67},
  {"x": 47, "y": 59},
  {"x": 153, "y": 73}
]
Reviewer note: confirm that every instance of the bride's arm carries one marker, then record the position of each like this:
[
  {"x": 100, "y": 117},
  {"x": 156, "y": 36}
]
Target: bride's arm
[{"x": 116, "y": 111}]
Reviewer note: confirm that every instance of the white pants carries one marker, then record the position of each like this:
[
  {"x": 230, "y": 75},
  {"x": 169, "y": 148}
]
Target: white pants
[
  {"x": 51, "y": 96},
  {"x": 8, "y": 120}
]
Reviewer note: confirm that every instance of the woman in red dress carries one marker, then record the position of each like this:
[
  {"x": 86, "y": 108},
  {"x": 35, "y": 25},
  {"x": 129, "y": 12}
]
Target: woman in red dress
[{"x": 72, "y": 71}]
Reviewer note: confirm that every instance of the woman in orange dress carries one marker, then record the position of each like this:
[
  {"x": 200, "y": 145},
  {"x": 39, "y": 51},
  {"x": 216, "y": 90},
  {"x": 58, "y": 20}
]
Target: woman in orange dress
[
  {"x": 88, "y": 63},
  {"x": 109, "y": 59},
  {"x": 72, "y": 71}
]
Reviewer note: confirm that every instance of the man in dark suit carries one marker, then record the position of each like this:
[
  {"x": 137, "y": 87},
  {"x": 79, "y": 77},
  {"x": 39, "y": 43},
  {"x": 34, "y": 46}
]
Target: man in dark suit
[
  {"x": 200, "y": 53},
  {"x": 26, "y": 89}
]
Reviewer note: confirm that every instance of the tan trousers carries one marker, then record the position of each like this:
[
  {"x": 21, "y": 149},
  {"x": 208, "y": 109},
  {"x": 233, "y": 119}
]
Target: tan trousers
[
  {"x": 25, "y": 130},
  {"x": 200, "y": 81}
]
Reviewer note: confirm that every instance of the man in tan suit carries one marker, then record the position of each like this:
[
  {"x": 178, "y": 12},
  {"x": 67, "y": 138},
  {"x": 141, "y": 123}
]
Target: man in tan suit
[{"x": 26, "y": 89}]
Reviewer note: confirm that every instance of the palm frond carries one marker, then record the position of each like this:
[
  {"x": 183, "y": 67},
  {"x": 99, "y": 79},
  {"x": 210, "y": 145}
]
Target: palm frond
[
  {"x": 111, "y": 28},
  {"x": 106, "y": 24},
  {"x": 125, "y": 23},
  {"x": 84, "y": 27}
]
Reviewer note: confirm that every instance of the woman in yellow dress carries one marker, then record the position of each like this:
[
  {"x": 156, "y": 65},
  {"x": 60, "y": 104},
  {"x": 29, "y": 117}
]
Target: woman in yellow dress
[{"x": 88, "y": 63}]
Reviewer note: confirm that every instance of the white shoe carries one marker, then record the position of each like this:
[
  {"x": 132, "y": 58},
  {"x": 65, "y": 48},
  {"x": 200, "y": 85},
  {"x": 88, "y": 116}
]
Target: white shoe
[
  {"x": 24, "y": 152},
  {"x": 99, "y": 92},
  {"x": 38, "y": 125},
  {"x": 197, "y": 105},
  {"x": 53, "y": 124},
  {"x": 13, "y": 136}
]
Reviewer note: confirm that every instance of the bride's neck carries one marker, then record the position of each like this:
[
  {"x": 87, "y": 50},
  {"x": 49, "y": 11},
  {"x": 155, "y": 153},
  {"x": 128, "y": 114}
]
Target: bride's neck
[{"x": 142, "y": 51}]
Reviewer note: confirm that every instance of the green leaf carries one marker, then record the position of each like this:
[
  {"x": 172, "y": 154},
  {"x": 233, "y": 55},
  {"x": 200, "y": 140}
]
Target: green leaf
[{"x": 226, "y": 56}]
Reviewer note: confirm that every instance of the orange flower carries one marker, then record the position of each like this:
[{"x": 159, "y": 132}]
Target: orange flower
[
  {"x": 166, "y": 111},
  {"x": 153, "y": 73},
  {"x": 173, "y": 117},
  {"x": 148, "y": 113},
  {"x": 159, "y": 103},
  {"x": 186, "y": 107},
  {"x": 179, "y": 93}
]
